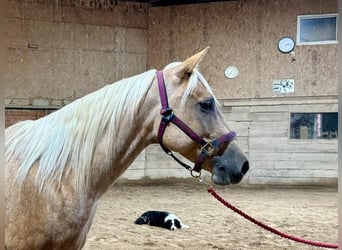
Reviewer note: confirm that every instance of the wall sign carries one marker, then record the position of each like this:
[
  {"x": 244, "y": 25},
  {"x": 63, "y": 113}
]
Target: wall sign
[{"x": 283, "y": 86}]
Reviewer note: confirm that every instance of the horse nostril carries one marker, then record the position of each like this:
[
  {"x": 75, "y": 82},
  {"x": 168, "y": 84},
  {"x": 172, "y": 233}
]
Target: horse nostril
[
  {"x": 245, "y": 167},
  {"x": 222, "y": 169}
]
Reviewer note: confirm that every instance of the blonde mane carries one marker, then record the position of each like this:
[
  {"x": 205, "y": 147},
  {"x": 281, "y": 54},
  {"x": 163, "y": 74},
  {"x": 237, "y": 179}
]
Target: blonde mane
[{"x": 66, "y": 139}]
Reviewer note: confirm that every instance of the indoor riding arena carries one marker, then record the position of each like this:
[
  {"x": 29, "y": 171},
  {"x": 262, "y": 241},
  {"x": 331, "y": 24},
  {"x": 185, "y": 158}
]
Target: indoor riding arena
[{"x": 272, "y": 66}]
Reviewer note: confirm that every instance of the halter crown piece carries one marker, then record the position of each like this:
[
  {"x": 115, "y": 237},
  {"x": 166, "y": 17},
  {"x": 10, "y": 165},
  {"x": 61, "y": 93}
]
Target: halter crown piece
[{"x": 207, "y": 147}]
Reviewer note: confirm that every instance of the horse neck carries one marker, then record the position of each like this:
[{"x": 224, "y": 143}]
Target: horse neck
[{"x": 129, "y": 141}]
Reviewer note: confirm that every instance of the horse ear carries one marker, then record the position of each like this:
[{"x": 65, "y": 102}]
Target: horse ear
[{"x": 190, "y": 64}]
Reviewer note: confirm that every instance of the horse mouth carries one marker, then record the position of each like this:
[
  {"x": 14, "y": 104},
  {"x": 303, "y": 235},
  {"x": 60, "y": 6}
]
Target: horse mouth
[
  {"x": 223, "y": 176},
  {"x": 230, "y": 167}
]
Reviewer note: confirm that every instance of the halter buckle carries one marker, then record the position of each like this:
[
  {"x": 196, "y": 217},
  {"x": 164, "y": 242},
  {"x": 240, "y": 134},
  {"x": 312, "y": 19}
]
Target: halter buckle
[{"x": 208, "y": 149}]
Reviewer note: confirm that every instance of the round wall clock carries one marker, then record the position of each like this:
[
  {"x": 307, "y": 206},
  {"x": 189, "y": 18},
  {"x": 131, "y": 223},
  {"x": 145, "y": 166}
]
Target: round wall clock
[
  {"x": 231, "y": 72},
  {"x": 286, "y": 44}
]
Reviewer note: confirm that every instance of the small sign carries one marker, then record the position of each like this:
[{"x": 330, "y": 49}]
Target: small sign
[{"x": 283, "y": 86}]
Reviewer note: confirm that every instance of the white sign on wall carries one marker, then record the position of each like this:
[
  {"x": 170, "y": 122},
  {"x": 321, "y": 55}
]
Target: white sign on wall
[{"x": 283, "y": 86}]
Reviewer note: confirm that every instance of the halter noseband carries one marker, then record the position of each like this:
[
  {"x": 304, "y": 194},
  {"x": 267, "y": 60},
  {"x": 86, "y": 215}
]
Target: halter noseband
[{"x": 207, "y": 147}]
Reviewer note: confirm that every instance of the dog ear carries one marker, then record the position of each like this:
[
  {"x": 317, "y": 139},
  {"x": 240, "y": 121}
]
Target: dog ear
[{"x": 178, "y": 224}]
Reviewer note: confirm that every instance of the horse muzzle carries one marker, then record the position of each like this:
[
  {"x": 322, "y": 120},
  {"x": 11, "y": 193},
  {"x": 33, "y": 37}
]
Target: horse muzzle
[{"x": 231, "y": 166}]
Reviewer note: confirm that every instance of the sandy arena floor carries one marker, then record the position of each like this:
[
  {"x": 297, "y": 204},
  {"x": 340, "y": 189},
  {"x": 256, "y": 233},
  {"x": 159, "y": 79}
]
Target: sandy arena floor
[{"x": 306, "y": 212}]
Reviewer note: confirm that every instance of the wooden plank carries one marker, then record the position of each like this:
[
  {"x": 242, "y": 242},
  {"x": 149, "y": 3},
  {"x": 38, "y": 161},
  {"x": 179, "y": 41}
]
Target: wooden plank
[
  {"x": 225, "y": 109},
  {"x": 293, "y": 142},
  {"x": 270, "y": 116},
  {"x": 293, "y": 156},
  {"x": 243, "y": 143},
  {"x": 292, "y": 173},
  {"x": 241, "y": 128},
  {"x": 281, "y": 101},
  {"x": 323, "y": 165},
  {"x": 276, "y": 147},
  {"x": 154, "y": 148},
  {"x": 292, "y": 181},
  {"x": 291, "y": 165},
  {"x": 158, "y": 157},
  {"x": 137, "y": 165},
  {"x": 268, "y": 129},
  {"x": 237, "y": 117},
  {"x": 314, "y": 108},
  {"x": 308, "y": 142},
  {"x": 238, "y": 114},
  {"x": 235, "y": 109},
  {"x": 133, "y": 174},
  {"x": 162, "y": 165},
  {"x": 273, "y": 164},
  {"x": 324, "y": 106},
  {"x": 165, "y": 173},
  {"x": 238, "y": 109},
  {"x": 262, "y": 109},
  {"x": 269, "y": 140}
]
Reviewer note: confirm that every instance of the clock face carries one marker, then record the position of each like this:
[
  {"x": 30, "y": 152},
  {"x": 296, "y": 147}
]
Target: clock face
[
  {"x": 231, "y": 72},
  {"x": 286, "y": 45}
]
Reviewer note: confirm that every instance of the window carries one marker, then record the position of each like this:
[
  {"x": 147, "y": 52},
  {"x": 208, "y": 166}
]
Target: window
[
  {"x": 313, "y": 125},
  {"x": 317, "y": 29}
]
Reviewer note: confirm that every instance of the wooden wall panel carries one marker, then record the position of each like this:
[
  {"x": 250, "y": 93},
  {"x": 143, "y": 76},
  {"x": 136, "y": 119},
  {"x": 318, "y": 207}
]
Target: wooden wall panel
[
  {"x": 60, "y": 52},
  {"x": 277, "y": 159},
  {"x": 245, "y": 34}
]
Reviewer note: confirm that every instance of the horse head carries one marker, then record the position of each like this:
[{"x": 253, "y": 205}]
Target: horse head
[{"x": 193, "y": 124}]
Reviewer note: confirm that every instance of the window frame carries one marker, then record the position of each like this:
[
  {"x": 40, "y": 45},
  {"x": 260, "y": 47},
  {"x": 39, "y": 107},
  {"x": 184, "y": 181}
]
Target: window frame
[
  {"x": 313, "y": 113},
  {"x": 316, "y": 16}
]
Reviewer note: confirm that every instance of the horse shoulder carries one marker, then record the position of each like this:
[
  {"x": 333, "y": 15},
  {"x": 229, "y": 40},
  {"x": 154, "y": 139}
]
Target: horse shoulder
[{"x": 59, "y": 219}]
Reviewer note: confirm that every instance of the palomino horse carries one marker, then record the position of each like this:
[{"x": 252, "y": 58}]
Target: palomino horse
[{"x": 59, "y": 166}]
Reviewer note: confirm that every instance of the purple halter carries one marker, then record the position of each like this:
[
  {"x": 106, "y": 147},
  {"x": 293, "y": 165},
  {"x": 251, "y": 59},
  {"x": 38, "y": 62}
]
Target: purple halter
[{"x": 207, "y": 147}]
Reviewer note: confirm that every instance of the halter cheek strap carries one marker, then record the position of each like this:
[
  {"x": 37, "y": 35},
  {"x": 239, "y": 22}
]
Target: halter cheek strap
[{"x": 207, "y": 147}]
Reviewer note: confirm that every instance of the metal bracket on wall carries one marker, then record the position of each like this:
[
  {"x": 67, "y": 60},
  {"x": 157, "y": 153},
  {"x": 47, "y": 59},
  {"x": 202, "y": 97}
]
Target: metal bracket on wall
[{"x": 32, "y": 45}]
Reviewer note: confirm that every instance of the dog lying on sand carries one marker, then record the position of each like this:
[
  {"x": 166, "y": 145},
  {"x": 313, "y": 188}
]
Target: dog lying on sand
[{"x": 161, "y": 219}]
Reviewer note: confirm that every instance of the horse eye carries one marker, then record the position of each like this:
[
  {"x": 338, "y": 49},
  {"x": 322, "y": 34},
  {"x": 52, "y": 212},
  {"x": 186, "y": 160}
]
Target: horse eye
[{"x": 207, "y": 106}]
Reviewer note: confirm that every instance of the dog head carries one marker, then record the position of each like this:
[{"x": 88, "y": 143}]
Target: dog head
[{"x": 172, "y": 222}]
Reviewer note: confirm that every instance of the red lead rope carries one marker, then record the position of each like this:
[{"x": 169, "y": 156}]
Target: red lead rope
[{"x": 268, "y": 228}]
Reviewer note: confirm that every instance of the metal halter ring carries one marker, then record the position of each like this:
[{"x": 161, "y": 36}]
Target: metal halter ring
[{"x": 194, "y": 175}]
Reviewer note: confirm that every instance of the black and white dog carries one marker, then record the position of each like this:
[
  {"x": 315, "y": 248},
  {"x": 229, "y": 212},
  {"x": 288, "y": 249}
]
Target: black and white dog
[{"x": 161, "y": 219}]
